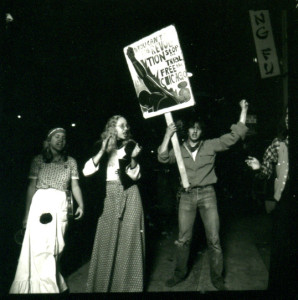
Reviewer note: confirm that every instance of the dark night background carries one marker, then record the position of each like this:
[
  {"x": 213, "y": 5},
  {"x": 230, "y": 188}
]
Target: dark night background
[{"x": 62, "y": 62}]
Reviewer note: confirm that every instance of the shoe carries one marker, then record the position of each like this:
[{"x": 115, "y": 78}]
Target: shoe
[
  {"x": 219, "y": 284},
  {"x": 173, "y": 281}
]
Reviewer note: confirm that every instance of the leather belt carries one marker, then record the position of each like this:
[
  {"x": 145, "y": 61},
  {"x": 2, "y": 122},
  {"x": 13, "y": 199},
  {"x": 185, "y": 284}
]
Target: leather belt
[{"x": 195, "y": 187}]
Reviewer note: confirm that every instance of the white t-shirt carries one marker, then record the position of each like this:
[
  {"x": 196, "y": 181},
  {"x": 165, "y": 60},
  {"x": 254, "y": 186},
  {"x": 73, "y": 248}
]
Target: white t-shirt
[{"x": 113, "y": 167}]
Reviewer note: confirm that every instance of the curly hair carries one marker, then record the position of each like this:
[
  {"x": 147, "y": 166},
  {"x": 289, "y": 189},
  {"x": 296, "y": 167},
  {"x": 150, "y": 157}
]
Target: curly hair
[{"x": 110, "y": 130}]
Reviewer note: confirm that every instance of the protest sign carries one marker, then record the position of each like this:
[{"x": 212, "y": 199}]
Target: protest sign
[
  {"x": 158, "y": 72},
  {"x": 157, "y": 68}
]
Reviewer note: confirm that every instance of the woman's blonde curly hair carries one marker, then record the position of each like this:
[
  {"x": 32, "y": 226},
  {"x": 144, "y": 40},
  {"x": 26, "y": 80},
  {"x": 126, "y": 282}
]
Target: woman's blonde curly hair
[{"x": 110, "y": 130}]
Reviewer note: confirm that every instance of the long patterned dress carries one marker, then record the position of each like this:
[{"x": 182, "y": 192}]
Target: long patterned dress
[
  {"x": 38, "y": 270},
  {"x": 117, "y": 261}
]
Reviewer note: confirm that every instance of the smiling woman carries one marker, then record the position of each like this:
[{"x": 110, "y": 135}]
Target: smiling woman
[
  {"x": 51, "y": 176},
  {"x": 117, "y": 262}
]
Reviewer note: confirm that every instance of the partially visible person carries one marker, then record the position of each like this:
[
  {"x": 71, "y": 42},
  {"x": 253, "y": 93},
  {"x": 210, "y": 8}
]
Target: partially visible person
[
  {"x": 53, "y": 173},
  {"x": 198, "y": 156},
  {"x": 117, "y": 262},
  {"x": 276, "y": 161}
]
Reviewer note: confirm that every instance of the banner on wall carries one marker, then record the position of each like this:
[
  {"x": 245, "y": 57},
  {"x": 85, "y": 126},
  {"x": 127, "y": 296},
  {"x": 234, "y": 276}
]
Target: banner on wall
[
  {"x": 264, "y": 42},
  {"x": 158, "y": 72}
]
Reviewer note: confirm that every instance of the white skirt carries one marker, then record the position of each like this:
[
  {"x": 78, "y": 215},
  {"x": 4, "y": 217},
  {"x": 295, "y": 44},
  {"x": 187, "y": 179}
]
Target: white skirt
[{"x": 37, "y": 270}]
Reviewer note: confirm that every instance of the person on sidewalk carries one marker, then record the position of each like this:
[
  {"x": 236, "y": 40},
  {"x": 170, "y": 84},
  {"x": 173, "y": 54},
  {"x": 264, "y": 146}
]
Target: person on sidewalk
[
  {"x": 53, "y": 173},
  {"x": 199, "y": 157},
  {"x": 282, "y": 208},
  {"x": 117, "y": 261}
]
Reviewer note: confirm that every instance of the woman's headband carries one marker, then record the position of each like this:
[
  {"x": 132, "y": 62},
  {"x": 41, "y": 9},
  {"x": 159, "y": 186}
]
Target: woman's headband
[{"x": 52, "y": 131}]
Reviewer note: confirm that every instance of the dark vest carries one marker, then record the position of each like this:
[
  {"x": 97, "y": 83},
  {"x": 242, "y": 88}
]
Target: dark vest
[{"x": 125, "y": 180}]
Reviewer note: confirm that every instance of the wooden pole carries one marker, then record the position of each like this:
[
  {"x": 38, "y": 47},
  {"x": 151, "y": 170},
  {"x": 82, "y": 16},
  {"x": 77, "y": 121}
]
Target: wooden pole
[{"x": 177, "y": 151}]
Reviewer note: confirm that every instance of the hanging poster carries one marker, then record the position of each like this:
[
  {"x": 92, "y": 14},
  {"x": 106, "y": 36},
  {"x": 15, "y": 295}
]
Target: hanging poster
[
  {"x": 265, "y": 47},
  {"x": 158, "y": 72}
]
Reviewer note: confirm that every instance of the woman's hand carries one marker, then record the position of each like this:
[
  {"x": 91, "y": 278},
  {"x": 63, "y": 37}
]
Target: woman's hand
[
  {"x": 270, "y": 206},
  {"x": 243, "y": 104},
  {"x": 136, "y": 151},
  {"x": 105, "y": 144},
  {"x": 253, "y": 163},
  {"x": 79, "y": 213},
  {"x": 103, "y": 149},
  {"x": 171, "y": 129}
]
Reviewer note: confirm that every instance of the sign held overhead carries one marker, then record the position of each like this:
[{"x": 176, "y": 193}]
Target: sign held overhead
[{"x": 159, "y": 75}]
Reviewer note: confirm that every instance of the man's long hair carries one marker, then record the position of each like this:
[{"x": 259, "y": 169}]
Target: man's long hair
[
  {"x": 282, "y": 130},
  {"x": 183, "y": 126}
]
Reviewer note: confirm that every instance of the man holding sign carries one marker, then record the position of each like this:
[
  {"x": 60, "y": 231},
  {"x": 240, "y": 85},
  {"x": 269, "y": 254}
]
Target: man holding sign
[
  {"x": 199, "y": 158},
  {"x": 159, "y": 75}
]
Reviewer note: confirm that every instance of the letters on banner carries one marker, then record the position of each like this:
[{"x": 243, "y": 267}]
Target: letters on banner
[
  {"x": 264, "y": 42},
  {"x": 159, "y": 75}
]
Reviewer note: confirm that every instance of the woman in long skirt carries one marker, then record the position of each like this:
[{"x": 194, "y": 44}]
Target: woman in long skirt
[
  {"x": 52, "y": 174},
  {"x": 117, "y": 262}
]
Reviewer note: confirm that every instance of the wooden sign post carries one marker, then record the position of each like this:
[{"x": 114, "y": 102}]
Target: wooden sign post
[
  {"x": 176, "y": 147},
  {"x": 159, "y": 75}
]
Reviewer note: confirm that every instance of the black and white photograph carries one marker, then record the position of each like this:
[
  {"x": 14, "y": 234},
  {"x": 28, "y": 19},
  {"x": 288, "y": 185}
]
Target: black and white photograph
[
  {"x": 160, "y": 77},
  {"x": 148, "y": 148}
]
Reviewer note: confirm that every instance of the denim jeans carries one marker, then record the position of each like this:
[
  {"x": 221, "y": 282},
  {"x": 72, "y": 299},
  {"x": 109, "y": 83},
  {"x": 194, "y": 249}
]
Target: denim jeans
[{"x": 203, "y": 199}]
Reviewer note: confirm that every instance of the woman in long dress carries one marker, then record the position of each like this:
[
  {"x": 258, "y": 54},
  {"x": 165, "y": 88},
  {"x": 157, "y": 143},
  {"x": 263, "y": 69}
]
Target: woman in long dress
[
  {"x": 117, "y": 262},
  {"x": 52, "y": 175}
]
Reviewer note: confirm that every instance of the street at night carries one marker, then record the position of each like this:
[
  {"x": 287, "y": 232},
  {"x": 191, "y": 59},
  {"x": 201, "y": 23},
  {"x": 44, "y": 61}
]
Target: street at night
[{"x": 74, "y": 64}]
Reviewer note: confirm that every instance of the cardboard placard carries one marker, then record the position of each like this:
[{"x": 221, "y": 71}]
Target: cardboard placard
[{"x": 158, "y": 72}]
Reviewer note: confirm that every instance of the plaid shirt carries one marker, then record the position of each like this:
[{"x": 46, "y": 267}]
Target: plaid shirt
[{"x": 270, "y": 158}]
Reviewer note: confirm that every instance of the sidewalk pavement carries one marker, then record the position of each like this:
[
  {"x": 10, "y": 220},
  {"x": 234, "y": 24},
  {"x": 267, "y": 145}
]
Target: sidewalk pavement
[{"x": 245, "y": 267}]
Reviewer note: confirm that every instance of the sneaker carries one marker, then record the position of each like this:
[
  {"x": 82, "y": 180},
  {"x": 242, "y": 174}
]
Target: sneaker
[{"x": 173, "y": 281}]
